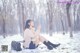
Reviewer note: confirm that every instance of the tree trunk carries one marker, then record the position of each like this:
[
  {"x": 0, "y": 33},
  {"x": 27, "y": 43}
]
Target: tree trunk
[
  {"x": 68, "y": 5},
  {"x": 50, "y": 13}
]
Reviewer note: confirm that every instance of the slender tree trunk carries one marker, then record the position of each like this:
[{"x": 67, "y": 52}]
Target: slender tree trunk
[
  {"x": 4, "y": 17},
  {"x": 4, "y": 32},
  {"x": 20, "y": 16},
  {"x": 50, "y": 17},
  {"x": 68, "y": 5},
  {"x": 63, "y": 27}
]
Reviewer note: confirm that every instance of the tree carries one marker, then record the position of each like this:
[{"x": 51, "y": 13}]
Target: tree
[
  {"x": 50, "y": 14},
  {"x": 68, "y": 17}
]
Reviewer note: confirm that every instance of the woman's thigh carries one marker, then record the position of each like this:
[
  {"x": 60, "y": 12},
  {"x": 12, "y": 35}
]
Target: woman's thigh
[{"x": 42, "y": 39}]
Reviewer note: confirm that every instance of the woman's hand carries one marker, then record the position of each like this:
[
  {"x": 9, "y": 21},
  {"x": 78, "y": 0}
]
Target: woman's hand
[
  {"x": 39, "y": 28},
  {"x": 33, "y": 30}
]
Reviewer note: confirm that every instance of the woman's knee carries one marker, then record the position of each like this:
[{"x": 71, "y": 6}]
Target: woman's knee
[{"x": 42, "y": 39}]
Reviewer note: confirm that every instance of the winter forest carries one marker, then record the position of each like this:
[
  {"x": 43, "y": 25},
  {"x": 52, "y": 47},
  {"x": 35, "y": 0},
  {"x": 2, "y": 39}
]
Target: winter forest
[{"x": 55, "y": 16}]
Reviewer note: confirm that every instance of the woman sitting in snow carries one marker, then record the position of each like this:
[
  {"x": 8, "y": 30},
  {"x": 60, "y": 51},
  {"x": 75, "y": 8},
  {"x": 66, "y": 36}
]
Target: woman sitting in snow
[{"x": 32, "y": 38}]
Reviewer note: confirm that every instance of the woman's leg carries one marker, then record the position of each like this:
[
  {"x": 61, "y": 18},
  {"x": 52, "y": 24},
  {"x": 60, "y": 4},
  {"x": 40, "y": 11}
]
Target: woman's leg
[
  {"x": 40, "y": 39},
  {"x": 43, "y": 40},
  {"x": 48, "y": 43}
]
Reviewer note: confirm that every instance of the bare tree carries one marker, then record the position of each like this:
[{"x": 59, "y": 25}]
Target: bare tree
[
  {"x": 50, "y": 13},
  {"x": 3, "y": 18},
  {"x": 68, "y": 17}
]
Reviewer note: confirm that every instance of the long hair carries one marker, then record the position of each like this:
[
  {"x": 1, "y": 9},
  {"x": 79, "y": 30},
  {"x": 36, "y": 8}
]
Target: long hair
[{"x": 27, "y": 23}]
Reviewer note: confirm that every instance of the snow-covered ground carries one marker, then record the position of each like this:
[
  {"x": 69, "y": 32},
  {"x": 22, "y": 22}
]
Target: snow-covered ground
[{"x": 68, "y": 45}]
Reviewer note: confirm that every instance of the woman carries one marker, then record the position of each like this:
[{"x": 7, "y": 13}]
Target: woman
[{"x": 32, "y": 38}]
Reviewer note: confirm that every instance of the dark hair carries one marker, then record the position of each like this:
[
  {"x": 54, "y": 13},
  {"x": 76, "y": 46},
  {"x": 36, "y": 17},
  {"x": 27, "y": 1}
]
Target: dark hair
[{"x": 27, "y": 23}]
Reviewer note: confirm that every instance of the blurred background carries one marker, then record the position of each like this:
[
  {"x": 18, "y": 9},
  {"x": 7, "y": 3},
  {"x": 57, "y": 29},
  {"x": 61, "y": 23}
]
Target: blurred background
[{"x": 53, "y": 15}]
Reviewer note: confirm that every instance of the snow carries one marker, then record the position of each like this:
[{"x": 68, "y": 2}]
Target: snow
[{"x": 68, "y": 45}]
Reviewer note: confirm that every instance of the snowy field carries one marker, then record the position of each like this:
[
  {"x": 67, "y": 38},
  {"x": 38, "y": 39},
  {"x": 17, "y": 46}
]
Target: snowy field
[{"x": 68, "y": 45}]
